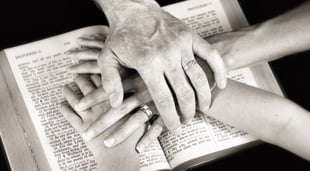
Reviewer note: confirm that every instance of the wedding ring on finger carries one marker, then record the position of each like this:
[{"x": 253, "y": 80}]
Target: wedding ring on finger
[
  {"x": 146, "y": 110},
  {"x": 189, "y": 65}
]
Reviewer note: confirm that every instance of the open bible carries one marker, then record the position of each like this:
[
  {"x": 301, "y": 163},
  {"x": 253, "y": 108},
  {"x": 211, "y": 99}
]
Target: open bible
[{"x": 36, "y": 136}]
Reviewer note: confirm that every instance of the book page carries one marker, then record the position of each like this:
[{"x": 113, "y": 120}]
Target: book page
[
  {"x": 205, "y": 17},
  {"x": 194, "y": 141},
  {"x": 40, "y": 70},
  {"x": 153, "y": 158}
]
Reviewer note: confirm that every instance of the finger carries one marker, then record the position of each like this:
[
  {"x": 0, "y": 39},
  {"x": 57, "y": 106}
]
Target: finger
[
  {"x": 92, "y": 43},
  {"x": 134, "y": 122},
  {"x": 84, "y": 84},
  {"x": 71, "y": 96},
  {"x": 151, "y": 135},
  {"x": 184, "y": 93},
  {"x": 198, "y": 80},
  {"x": 85, "y": 67},
  {"x": 73, "y": 100},
  {"x": 95, "y": 78},
  {"x": 83, "y": 54},
  {"x": 99, "y": 95},
  {"x": 91, "y": 99},
  {"x": 204, "y": 50},
  {"x": 163, "y": 100},
  {"x": 111, "y": 79},
  {"x": 112, "y": 116},
  {"x": 98, "y": 36},
  {"x": 71, "y": 116}
]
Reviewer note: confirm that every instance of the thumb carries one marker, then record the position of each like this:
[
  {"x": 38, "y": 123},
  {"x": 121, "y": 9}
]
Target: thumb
[
  {"x": 205, "y": 51},
  {"x": 111, "y": 79}
]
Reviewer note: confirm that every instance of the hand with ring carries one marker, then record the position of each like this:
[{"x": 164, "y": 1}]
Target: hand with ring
[
  {"x": 136, "y": 114},
  {"x": 161, "y": 49},
  {"x": 105, "y": 157}
]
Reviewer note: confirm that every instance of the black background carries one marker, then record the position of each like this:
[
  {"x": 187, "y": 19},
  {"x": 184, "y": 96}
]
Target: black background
[{"x": 26, "y": 21}]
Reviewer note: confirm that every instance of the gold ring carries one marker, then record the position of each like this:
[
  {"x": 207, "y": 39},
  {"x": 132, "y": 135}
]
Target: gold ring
[{"x": 146, "y": 110}]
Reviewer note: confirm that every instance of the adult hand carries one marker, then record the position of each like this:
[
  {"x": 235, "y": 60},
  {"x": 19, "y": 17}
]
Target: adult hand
[{"x": 161, "y": 49}]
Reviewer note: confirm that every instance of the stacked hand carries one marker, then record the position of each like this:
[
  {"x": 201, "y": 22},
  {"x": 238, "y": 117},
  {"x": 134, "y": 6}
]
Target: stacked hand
[
  {"x": 88, "y": 56},
  {"x": 161, "y": 49},
  {"x": 98, "y": 96}
]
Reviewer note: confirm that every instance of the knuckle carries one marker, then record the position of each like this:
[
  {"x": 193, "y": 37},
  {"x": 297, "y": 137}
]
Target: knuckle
[
  {"x": 200, "y": 80},
  {"x": 101, "y": 124},
  {"x": 186, "y": 96},
  {"x": 163, "y": 100},
  {"x": 122, "y": 109}
]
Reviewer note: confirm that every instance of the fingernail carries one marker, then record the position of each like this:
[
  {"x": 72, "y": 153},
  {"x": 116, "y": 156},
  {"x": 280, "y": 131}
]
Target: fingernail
[
  {"x": 177, "y": 131},
  {"x": 88, "y": 135},
  {"x": 187, "y": 121},
  {"x": 109, "y": 142},
  {"x": 222, "y": 84},
  {"x": 79, "y": 107},
  {"x": 115, "y": 102},
  {"x": 205, "y": 109},
  {"x": 140, "y": 148}
]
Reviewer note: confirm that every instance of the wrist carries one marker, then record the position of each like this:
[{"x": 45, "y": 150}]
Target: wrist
[
  {"x": 242, "y": 48},
  {"x": 116, "y": 10}
]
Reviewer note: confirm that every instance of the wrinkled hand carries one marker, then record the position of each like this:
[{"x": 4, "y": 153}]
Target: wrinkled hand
[{"x": 161, "y": 49}]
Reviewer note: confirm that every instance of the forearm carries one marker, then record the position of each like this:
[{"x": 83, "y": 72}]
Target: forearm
[
  {"x": 278, "y": 37},
  {"x": 267, "y": 116}
]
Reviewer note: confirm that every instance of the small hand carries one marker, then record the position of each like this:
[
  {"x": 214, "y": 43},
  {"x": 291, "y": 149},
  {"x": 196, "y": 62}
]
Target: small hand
[
  {"x": 105, "y": 157},
  {"x": 101, "y": 119}
]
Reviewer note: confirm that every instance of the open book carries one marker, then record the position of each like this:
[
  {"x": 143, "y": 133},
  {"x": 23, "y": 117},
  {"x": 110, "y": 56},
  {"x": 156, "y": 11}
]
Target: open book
[{"x": 36, "y": 136}]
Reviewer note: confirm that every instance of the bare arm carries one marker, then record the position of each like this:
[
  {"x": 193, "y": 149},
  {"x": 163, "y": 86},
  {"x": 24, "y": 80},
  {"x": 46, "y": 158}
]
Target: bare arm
[
  {"x": 275, "y": 38},
  {"x": 267, "y": 116}
]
